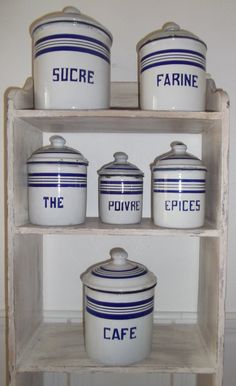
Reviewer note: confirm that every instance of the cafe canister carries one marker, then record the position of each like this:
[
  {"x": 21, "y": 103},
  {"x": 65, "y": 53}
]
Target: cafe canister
[
  {"x": 178, "y": 186},
  {"x": 71, "y": 61},
  {"x": 118, "y": 310},
  {"x": 120, "y": 189},
  {"x": 57, "y": 184},
  {"x": 172, "y": 70}
]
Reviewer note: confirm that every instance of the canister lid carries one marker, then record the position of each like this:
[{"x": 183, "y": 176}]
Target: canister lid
[
  {"x": 120, "y": 167},
  {"x": 57, "y": 152},
  {"x": 169, "y": 30},
  {"x": 178, "y": 158},
  {"x": 69, "y": 14},
  {"x": 119, "y": 275}
]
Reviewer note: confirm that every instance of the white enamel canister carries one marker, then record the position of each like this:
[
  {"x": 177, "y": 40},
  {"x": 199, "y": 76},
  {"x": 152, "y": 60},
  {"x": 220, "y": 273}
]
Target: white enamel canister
[
  {"x": 172, "y": 70},
  {"x": 71, "y": 61},
  {"x": 57, "y": 185},
  {"x": 119, "y": 302},
  {"x": 179, "y": 184},
  {"x": 120, "y": 190}
]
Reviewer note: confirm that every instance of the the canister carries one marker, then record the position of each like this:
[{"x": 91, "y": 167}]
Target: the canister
[
  {"x": 178, "y": 185},
  {"x": 172, "y": 70},
  {"x": 120, "y": 190},
  {"x": 118, "y": 302},
  {"x": 71, "y": 61},
  {"x": 57, "y": 185}
]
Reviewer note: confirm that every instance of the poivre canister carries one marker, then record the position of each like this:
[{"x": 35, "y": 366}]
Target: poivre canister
[{"x": 119, "y": 303}]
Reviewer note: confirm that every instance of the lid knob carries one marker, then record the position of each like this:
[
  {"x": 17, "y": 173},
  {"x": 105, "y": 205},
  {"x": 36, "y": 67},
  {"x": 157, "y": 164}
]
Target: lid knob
[
  {"x": 178, "y": 147},
  {"x": 171, "y": 26},
  {"x": 120, "y": 157},
  {"x": 71, "y": 9},
  {"x": 57, "y": 141},
  {"x": 119, "y": 256}
]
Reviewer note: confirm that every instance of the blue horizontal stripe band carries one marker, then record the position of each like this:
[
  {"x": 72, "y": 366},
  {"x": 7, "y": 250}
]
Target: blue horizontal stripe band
[
  {"x": 161, "y": 52},
  {"x": 56, "y": 163},
  {"x": 121, "y": 182},
  {"x": 119, "y": 192},
  {"x": 119, "y": 316},
  {"x": 120, "y": 270},
  {"x": 173, "y": 38},
  {"x": 57, "y": 185},
  {"x": 170, "y": 62},
  {"x": 177, "y": 191},
  {"x": 122, "y": 292},
  {"x": 74, "y": 49},
  {"x": 178, "y": 168},
  {"x": 71, "y": 36},
  {"x": 59, "y": 174},
  {"x": 118, "y": 277},
  {"x": 112, "y": 304},
  {"x": 177, "y": 180},
  {"x": 73, "y": 22}
]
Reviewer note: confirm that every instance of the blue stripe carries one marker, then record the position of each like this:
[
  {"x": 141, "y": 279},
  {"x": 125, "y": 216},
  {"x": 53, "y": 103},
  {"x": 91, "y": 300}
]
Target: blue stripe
[
  {"x": 177, "y": 180},
  {"x": 178, "y": 168},
  {"x": 121, "y": 182},
  {"x": 129, "y": 304},
  {"x": 177, "y": 191},
  {"x": 59, "y": 174},
  {"x": 72, "y": 36},
  {"x": 56, "y": 163},
  {"x": 57, "y": 185},
  {"x": 173, "y": 38},
  {"x": 73, "y": 22},
  {"x": 120, "y": 270},
  {"x": 119, "y": 277},
  {"x": 172, "y": 51},
  {"x": 120, "y": 192},
  {"x": 170, "y": 62},
  {"x": 74, "y": 49},
  {"x": 119, "y": 316}
]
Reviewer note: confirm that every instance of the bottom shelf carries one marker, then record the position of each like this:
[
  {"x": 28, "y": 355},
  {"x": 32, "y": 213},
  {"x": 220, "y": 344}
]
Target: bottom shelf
[{"x": 57, "y": 347}]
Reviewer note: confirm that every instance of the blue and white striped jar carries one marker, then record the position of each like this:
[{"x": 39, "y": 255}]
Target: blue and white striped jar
[
  {"x": 178, "y": 186},
  {"x": 57, "y": 185},
  {"x": 119, "y": 303},
  {"x": 71, "y": 61},
  {"x": 172, "y": 70},
  {"x": 120, "y": 191}
]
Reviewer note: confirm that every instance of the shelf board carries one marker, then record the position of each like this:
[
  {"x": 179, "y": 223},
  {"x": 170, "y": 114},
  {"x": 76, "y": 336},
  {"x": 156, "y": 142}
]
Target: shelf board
[
  {"x": 119, "y": 120},
  {"x": 60, "y": 348},
  {"x": 93, "y": 226}
]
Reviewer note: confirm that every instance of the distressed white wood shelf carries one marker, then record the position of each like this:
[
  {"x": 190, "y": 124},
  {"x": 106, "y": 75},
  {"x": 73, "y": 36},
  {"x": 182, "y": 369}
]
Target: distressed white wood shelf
[{"x": 35, "y": 347}]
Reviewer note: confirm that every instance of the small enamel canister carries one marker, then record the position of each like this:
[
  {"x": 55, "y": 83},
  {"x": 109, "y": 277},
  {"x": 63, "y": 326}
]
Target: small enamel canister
[
  {"x": 71, "y": 61},
  {"x": 120, "y": 191},
  {"x": 172, "y": 70},
  {"x": 179, "y": 183},
  {"x": 57, "y": 185},
  {"x": 119, "y": 302}
]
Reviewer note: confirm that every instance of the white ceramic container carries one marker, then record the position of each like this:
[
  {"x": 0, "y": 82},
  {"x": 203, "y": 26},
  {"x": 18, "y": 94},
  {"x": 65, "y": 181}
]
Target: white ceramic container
[
  {"x": 71, "y": 61},
  {"x": 57, "y": 185},
  {"x": 118, "y": 301},
  {"x": 172, "y": 70},
  {"x": 178, "y": 186},
  {"x": 120, "y": 191}
]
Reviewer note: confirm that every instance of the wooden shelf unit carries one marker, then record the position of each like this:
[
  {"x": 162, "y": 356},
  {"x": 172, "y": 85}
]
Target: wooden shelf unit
[{"x": 35, "y": 347}]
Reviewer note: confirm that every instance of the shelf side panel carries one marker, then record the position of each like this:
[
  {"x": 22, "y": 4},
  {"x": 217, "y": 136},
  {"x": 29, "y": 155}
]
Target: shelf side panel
[{"x": 29, "y": 380}]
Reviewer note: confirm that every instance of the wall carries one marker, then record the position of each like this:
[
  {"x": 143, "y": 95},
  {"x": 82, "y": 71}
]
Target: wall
[{"x": 212, "y": 20}]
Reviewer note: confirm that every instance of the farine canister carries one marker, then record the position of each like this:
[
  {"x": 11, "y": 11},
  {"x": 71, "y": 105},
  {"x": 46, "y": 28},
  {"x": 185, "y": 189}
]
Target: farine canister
[
  {"x": 71, "y": 61},
  {"x": 120, "y": 190},
  {"x": 119, "y": 303},
  {"x": 178, "y": 189},
  {"x": 172, "y": 70},
  {"x": 57, "y": 185}
]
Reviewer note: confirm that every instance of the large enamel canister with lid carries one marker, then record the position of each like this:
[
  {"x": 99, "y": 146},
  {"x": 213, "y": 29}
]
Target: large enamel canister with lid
[
  {"x": 179, "y": 185},
  {"x": 71, "y": 61},
  {"x": 120, "y": 191},
  {"x": 57, "y": 185},
  {"x": 172, "y": 70},
  {"x": 119, "y": 302}
]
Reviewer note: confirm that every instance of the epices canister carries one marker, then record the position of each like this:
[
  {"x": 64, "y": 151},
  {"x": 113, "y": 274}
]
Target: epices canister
[
  {"x": 119, "y": 304},
  {"x": 172, "y": 70},
  {"x": 120, "y": 190},
  {"x": 57, "y": 184},
  {"x": 71, "y": 61},
  {"x": 178, "y": 189}
]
